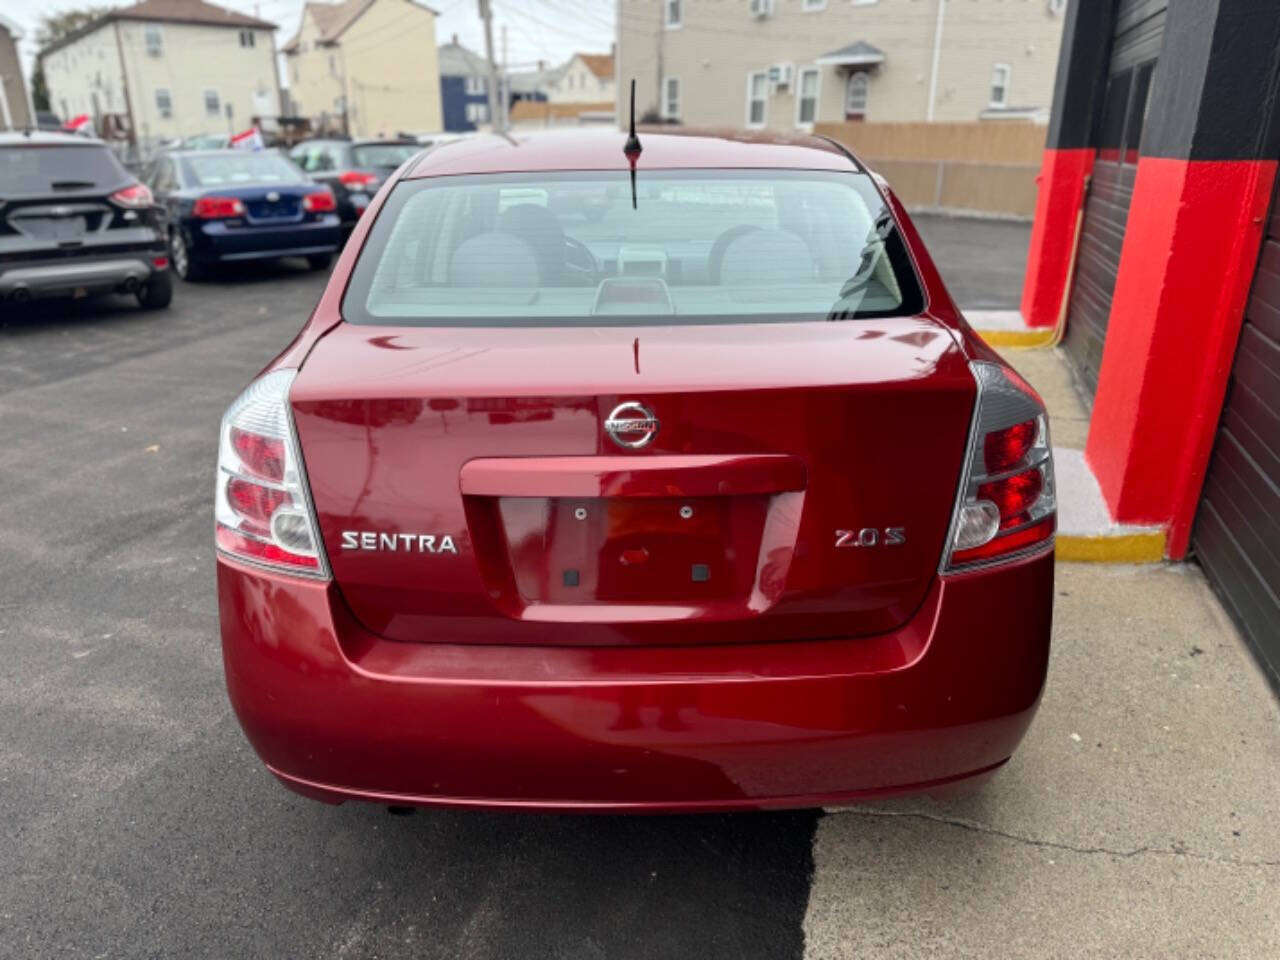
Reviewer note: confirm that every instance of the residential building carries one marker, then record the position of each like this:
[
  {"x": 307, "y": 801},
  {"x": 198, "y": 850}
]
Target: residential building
[
  {"x": 786, "y": 64},
  {"x": 586, "y": 78},
  {"x": 464, "y": 87},
  {"x": 165, "y": 68},
  {"x": 365, "y": 67},
  {"x": 15, "y": 104}
]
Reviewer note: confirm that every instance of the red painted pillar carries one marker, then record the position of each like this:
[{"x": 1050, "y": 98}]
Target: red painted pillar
[
  {"x": 1068, "y": 158},
  {"x": 1204, "y": 179},
  {"x": 1061, "y": 194}
]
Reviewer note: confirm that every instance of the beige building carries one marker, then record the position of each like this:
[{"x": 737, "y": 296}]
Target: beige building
[
  {"x": 165, "y": 69},
  {"x": 586, "y": 78},
  {"x": 366, "y": 67},
  {"x": 15, "y": 104},
  {"x": 784, "y": 64}
]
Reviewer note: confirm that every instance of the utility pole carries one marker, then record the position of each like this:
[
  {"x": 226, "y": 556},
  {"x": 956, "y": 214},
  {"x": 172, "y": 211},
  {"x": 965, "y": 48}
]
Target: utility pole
[
  {"x": 506, "y": 81},
  {"x": 486, "y": 14}
]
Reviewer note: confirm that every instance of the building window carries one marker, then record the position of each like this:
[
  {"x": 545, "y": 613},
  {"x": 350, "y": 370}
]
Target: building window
[
  {"x": 757, "y": 92},
  {"x": 477, "y": 86},
  {"x": 855, "y": 96},
  {"x": 247, "y": 38},
  {"x": 155, "y": 40},
  {"x": 762, "y": 8},
  {"x": 672, "y": 13},
  {"x": 1056, "y": 7},
  {"x": 807, "y": 101},
  {"x": 1000, "y": 74},
  {"x": 164, "y": 104},
  {"x": 477, "y": 113},
  {"x": 808, "y": 6},
  {"x": 211, "y": 105},
  {"x": 671, "y": 98}
]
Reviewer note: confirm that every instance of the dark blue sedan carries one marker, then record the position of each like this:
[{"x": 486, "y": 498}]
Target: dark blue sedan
[{"x": 226, "y": 206}]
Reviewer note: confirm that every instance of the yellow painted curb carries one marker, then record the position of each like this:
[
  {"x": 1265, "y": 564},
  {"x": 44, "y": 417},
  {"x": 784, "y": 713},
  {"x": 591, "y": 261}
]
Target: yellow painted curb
[
  {"x": 1122, "y": 548},
  {"x": 1018, "y": 338}
]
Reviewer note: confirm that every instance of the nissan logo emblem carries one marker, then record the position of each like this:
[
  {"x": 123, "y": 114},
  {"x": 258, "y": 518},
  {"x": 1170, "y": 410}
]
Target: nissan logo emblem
[
  {"x": 631, "y": 425},
  {"x": 272, "y": 197}
]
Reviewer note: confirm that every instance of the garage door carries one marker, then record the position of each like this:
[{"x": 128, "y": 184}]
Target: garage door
[
  {"x": 1135, "y": 48},
  {"x": 1237, "y": 532}
]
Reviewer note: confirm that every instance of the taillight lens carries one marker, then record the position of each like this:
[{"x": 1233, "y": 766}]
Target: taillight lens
[
  {"x": 1007, "y": 506},
  {"x": 218, "y": 208},
  {"x": 134, "y": 196},
  {"x": 357, "y": 178},
  {"x": 262, "y": 509},
  {"x": 321, "y": 202}
]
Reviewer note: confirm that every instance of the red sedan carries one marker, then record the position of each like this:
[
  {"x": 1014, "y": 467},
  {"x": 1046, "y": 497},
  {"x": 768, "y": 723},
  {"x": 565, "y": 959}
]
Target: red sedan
[{"x": 656, "y": 479}]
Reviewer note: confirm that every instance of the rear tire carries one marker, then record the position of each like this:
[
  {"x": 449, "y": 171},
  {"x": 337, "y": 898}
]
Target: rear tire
[
  {"x": 157, "y": 293},
  {"x": 180, "y": 257},
  {"x": 320, "y": 261}
]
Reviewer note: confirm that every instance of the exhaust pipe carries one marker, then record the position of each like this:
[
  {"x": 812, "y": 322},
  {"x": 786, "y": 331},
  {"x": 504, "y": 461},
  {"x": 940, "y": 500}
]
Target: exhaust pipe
[
  {"x": 130, "y": 285},
  {"x": 20, "y": 295}
]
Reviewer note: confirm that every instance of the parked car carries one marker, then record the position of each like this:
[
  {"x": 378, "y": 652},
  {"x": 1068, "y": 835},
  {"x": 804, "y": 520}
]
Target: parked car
[
  {"x": 227, "y": 206},
  {"x": 352, "y": 169},
  {"x": 74, "y": 222},
  {"x": 717, "y": 503}
]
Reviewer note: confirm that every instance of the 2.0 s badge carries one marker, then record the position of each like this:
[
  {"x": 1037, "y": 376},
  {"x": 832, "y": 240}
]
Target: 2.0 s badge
[{"x": 872, "y": 537}]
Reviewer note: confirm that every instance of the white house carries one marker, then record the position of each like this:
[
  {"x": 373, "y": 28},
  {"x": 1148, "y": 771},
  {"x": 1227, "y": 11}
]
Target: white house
[
  {"x": 165, "y": 69},
  {"x": 586, "y": 78}
]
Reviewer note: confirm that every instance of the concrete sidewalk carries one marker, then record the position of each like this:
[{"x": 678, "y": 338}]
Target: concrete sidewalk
[{"x": 1138, "y": 819}]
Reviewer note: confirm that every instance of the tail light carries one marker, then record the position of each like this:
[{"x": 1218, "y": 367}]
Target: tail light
[
  {"x": 217, "y": 208},
  {"x": 1006, "y": 507},
  {"x": 357, "y": 178},
  {"x": 262, "y": 508},
  {"x": 133, "y": 196},
  {"x": 321, "y": 202}
]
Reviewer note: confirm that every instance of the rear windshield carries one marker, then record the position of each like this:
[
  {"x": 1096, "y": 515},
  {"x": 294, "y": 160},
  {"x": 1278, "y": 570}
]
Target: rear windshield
[
  {"x": 699, "y": 246},
  {"x": 227, "y": 169},
  {"x": 382, "y": 154},
  {"x": 26, "y": 171}
]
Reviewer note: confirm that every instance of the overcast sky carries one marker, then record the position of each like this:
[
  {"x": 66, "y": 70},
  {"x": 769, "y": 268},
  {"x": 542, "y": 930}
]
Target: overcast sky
[{"x": 551, "y": 30}]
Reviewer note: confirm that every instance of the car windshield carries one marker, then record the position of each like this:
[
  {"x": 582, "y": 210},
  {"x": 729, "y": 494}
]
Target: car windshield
[
  {"x": 227, "y": 169},
  {"x": 699, "y": 246},
  {"x": 26, "y": 171},
  {"x": 366, "y": 155}
]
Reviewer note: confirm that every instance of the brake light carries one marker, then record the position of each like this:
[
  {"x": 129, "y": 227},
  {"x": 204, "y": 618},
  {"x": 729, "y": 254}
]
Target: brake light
[
  {"x": 262, "y": 508},
  {"x": 321, "y": 202},
  {"x": 133, "y": 196},
  {"x": 356, "y": 178},
  {"x": 217, "y": 208},
  {"x": 1007, "y": 507}
]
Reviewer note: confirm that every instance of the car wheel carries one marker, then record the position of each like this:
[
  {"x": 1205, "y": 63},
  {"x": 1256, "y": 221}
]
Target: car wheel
[
  {"x": 320, "y": 261},
  {"x": 180, "y": 256},
  {"x": 157, "y": 292}
]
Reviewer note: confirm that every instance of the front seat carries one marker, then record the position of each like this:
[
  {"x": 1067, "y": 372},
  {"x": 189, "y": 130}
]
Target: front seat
[
  {"x": 764, "y": 257},
  {"x": 493, "y": 260},
  {"x": 540, "y": 229}
]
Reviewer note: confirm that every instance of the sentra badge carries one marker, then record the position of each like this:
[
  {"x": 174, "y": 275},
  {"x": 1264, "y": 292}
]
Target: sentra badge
[{"x": 372, "y": 540}]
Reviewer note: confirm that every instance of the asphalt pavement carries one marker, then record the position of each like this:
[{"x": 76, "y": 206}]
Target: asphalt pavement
[{"x": 1138, "y": 820}]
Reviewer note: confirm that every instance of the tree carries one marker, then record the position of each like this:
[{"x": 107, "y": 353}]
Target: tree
[{"x": 54, "y": 27}]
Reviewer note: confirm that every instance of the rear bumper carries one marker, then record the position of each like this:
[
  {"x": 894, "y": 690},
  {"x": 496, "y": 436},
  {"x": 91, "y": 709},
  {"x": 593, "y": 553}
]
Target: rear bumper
[
  {"x": 215, "y": 241},
  {"x": 66, "y": 276},
  {"x": 338, "y": 713}
]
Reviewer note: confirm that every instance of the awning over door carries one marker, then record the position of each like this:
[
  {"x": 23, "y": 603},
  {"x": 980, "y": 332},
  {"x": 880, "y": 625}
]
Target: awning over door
[{"x": 858, "y": 54}]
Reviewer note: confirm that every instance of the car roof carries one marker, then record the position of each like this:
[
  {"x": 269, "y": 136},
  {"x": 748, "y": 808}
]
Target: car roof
[
  {"x": 47, "y": 138},
  {"x": 601, "y": 149}
]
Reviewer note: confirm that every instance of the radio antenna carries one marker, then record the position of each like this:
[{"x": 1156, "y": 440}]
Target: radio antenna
[{"x": 632, "y": 147}]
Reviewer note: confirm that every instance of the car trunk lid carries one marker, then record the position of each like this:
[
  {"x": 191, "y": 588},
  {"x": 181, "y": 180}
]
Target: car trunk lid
[{"x": 800, "y": 481}]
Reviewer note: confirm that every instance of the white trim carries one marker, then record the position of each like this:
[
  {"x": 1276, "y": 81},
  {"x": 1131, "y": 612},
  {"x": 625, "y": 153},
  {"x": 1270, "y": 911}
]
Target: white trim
[
  {"x": 858, "y": 60},
  {"x": 665, "y": 107},
  {"x": 864, "y": 3},
  {"x": 1004, "y": 85},
  {"x": 817, "y": 96},
  {"x": 764, "y": 100},
  {"x": 667, "y": 22}
]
